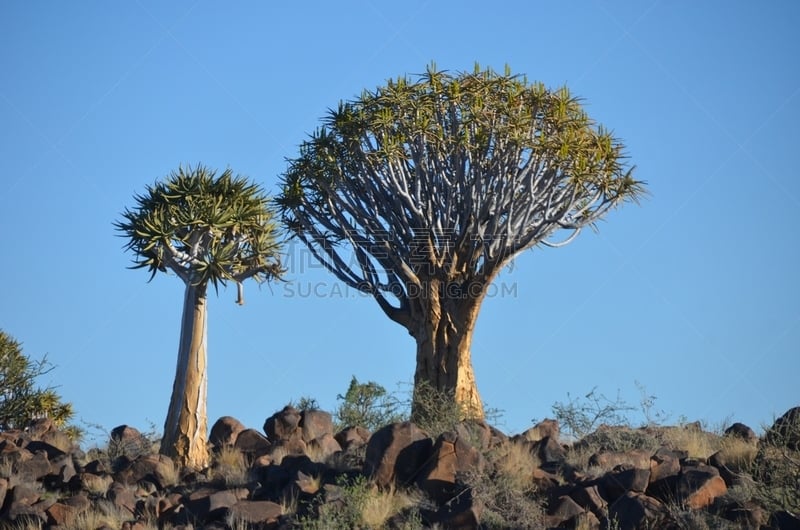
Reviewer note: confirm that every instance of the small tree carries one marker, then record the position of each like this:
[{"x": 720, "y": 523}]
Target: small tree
[
  {"x": 367, "y": 405},
  {"x": 420, "y": 192},
  {"x": 205, "y": 229},
  {"x": 20, "y": 399}
]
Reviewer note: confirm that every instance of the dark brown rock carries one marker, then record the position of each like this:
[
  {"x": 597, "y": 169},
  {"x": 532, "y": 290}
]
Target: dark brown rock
[
  {"x": 323, "y": 447},
  {"x": 263, "y": 512},
  {"x": 742, "y": 431},
  {"x": 450, "y": 456},
  {"x": 544, "y": 429},
  {"x": 785, "y": 432},
  {"x": 315, "y": 424},
  {"x": 783, "y": 520},
  {"x": 551, "y": 453},
  {"x": 396, "y": 454},
  {"x": 664, "y": 463},
  {"x": 608, "y": 460},
  {"x": 543, "y": 480},
  {"x": 122, "y": 496},
  {"x": 38, "y": 428},
  {"x": 208, "y": 504},
  {"x": 224, "y": 432},
  {"x": 748, "y": 515},
  {"x": 20, "y": 507},
  {"x": 699, "y": 484},
  {"x": 481, "y": 435},
  {"x": 159, "y": 469},
  {"x": 34, "y": 468},
  {"x": 352, "y": 438},
  {"x": 252, "y": 443},
  {"x": 635, "y": 510},
  {"x": 283, "y": 425},
  {"x": 61, "y": 514},
  {"x": 128, "y": 441},
  {"x": 621, "y": 480},
  {"x": 565, "y": 509},
  {"x": 589, "y": 498}
]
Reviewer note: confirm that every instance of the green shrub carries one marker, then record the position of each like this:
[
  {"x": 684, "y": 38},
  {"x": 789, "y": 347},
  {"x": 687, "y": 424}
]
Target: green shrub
[
  {"x": 20, "y": 399},
  {"x": 367, "y": 405}
]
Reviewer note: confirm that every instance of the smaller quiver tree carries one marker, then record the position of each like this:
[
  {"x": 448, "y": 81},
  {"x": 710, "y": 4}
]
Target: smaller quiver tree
[{"x": 206, "y": 229}]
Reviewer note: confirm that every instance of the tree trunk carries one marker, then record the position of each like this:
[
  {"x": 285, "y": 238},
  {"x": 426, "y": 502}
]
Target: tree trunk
[
  {"x": 186, "y": 425},
  {"x": 443, "y": 327}
]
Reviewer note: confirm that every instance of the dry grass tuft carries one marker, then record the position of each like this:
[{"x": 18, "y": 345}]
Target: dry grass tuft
[
  {"x": 379, "y": 506},
  {"x": 231, "y": 466},
  {"x": 516, "y": 463},
  {"x": 102, "y": 514},
  {"x": 697, "y": 443}
]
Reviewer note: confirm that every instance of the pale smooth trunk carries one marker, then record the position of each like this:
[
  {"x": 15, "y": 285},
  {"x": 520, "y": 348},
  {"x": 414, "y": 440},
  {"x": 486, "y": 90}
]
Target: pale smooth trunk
[
  {"x": 185, "y": 430},
  {"x": 444, "y": 361}
]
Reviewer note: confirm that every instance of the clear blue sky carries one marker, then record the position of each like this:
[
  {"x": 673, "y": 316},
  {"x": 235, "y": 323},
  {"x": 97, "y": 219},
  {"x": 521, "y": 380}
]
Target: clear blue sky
[{"x": 694, "y": 294}]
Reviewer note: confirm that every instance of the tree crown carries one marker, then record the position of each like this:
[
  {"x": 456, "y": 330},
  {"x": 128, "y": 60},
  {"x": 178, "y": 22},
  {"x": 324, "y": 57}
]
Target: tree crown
[
  {"x": 21, "y": 401},
  {"x": 449, "y": 176},
  {"x": 204, "y": 228}
]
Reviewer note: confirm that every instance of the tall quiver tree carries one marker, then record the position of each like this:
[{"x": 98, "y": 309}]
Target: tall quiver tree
[
  {"x": 421, "y": 191},
  {"x": 205, "y": 229}
]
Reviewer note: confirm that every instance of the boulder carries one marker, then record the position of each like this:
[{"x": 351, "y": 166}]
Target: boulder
[
  {"x": 60, "y": 514},
  {"x": 314, "y": 424},
  {"x": 207, "y": 504},
  {"x": 159, "y": 469},
  {"x": 544, "y": 429},
  {"x": 551, "y": 453},
  {"x": 33, "y": 468},
  {"x": 283, "y": 425},
  {"x": 608, "y": 460},
  {"x": 565, "y": 509},
  {"x": 128, "y": 441},
  {"x": 323, "y": 447},
  {"x": 785, "y": 432},
  {"x": 664, "y": 463},
  {"x": 224, "y": 432},
  {"x": 699, "y": 484},
  {"x": 635, "y": 510},
  {"x": 481, "y": 435},
  {"x": 741, "y": 431},
  {"x": 396, "y": 453},
  {"x": 352, "y": 438},
  {"x": 252, "y": 443},
  {"x": 622, "y": 479},
  {"x": 589, "y": 498},
  {"x": 122, "y": 496},
  {"x": 256, "y": 512},
  {"x": 20, "y": 505},
  {"x": 783, "y": 520},
  {"x": 450, "y": 456}
]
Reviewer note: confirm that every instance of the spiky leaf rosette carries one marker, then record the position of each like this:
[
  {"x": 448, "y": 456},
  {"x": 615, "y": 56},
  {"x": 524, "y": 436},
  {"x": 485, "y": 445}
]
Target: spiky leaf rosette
[
  {"x": 449, "y": 176},
  {"x": 204, "y": 228}
]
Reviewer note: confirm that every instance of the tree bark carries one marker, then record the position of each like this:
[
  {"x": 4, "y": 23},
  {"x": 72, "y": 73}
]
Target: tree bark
[
  {"x": 185, "y": 430},
  {"x": 443, "y": 326}
]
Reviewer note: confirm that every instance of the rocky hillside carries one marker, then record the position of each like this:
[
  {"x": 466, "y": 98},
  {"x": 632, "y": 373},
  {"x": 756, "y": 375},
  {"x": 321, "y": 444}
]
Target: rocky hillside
[{"x": 298, "y": 473}]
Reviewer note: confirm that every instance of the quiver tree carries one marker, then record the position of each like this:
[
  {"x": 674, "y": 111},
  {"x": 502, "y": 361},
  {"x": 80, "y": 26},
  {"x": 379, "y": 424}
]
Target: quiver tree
[
  {"x": 419, "y": 192},
  {"x": 204, "y": 229}
]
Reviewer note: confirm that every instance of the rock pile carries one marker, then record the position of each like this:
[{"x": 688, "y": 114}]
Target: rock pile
[{"x": 297, "y": 469}]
